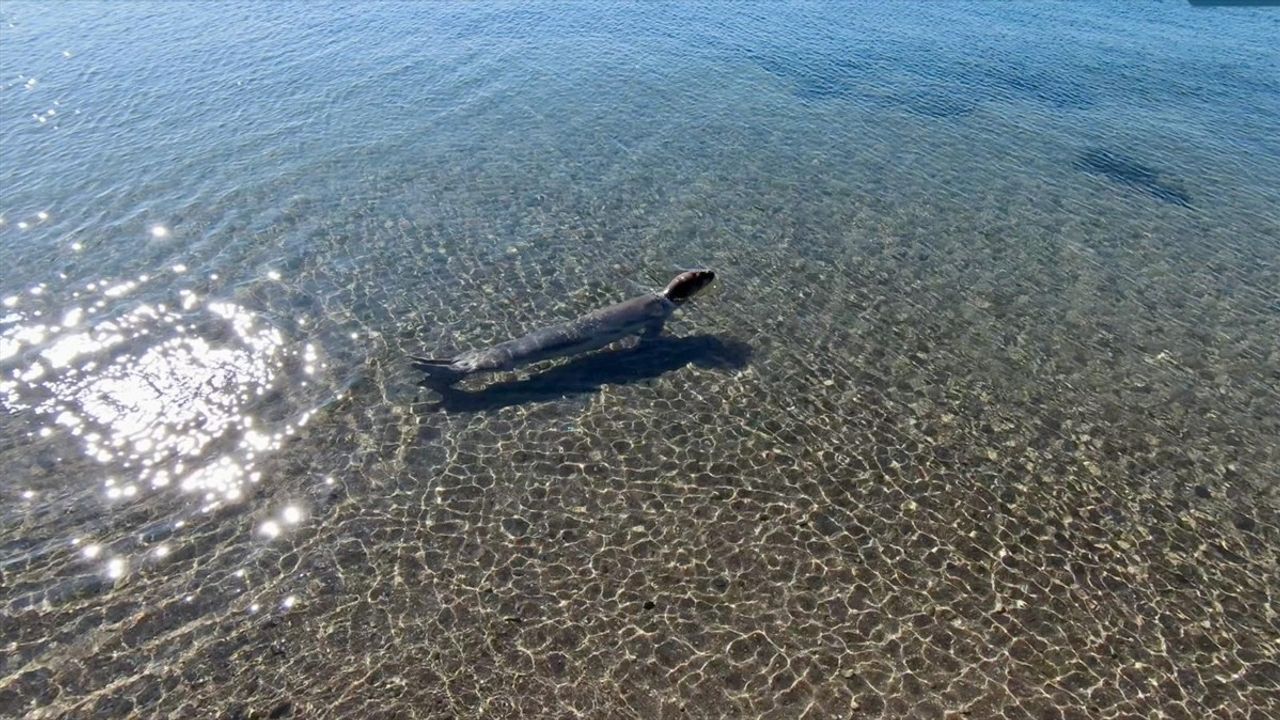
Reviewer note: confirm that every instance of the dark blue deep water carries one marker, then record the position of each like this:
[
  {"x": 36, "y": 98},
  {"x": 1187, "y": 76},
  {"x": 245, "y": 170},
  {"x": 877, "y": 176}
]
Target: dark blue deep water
[{"x": 979, "y": 419}]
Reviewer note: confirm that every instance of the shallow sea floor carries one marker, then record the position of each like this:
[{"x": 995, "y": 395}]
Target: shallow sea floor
[{"x": 979, "y": 419}]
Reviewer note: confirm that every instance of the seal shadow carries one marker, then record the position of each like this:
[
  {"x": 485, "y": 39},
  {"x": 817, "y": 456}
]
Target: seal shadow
[
  {"x": 1127, "y": 171},
  {"x": 588, "y": 374}
]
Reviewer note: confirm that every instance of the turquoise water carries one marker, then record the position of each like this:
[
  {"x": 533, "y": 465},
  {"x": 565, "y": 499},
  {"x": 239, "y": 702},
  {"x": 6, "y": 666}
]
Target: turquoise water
[{"x": 978, "y": 420}]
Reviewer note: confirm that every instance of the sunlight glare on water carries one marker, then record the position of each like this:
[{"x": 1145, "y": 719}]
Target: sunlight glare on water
[{"x": 158, "y": 395}]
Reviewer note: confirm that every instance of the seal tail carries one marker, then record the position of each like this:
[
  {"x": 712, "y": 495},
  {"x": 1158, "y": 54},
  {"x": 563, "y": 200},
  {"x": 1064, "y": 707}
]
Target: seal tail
[{"x": 438, "y": 371}]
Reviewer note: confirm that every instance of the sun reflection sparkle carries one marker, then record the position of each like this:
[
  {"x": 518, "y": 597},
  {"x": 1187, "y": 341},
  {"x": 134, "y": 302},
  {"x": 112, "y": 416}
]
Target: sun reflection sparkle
[{"x": 162, "y": 392}]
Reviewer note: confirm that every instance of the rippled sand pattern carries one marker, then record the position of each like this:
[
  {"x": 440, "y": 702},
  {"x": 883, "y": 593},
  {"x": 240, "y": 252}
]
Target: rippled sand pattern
[{"x": 960, "y": 431}]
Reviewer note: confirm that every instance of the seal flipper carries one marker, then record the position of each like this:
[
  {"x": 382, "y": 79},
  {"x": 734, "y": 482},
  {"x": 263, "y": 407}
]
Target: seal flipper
[
  {"x": 438, "y": 372},
  {"x": 653, "y": 329}
]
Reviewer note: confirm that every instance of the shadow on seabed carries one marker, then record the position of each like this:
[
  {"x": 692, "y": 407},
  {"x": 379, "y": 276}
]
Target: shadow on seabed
[{"x": 587, "y": 374}]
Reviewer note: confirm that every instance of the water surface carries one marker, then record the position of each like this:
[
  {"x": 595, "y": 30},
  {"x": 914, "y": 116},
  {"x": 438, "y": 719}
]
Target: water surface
[{"x": 979, "y": 420}]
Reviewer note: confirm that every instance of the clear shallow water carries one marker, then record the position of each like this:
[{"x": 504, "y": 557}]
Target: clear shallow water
[{"x": 980, "y": 417}]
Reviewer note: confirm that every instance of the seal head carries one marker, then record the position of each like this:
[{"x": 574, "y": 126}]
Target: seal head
[{"x": 687, "y": 284}]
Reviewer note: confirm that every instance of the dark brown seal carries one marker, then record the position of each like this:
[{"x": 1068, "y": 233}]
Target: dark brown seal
[{"x": 643, "y": 316}]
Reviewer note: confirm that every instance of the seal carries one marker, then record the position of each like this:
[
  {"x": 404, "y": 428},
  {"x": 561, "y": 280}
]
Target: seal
[{"x": 644, "y": 316}]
